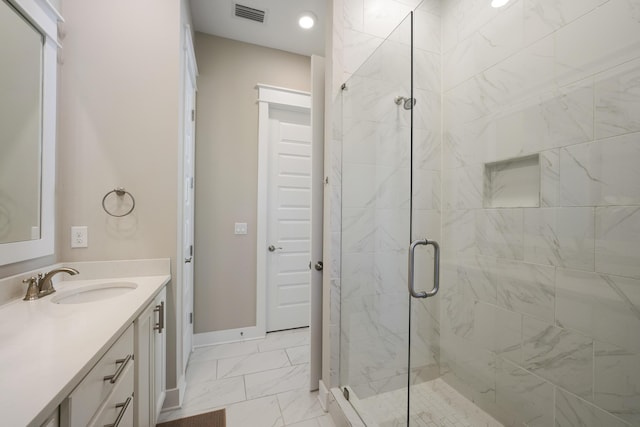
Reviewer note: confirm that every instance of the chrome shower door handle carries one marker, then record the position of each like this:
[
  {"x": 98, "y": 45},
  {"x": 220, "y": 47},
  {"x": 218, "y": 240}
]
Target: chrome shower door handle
[{"x": 436, "y": 268}]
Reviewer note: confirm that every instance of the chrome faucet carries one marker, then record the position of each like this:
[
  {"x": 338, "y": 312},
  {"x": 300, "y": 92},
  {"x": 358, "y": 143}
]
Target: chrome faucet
[
  {"x": 41, "y": 285},
  {"x": 45, "y": 287}
]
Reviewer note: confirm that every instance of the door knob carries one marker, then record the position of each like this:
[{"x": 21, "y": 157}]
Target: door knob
[
  {"x": 273, "y": 248},
  {"x": 319, "y": 266}
]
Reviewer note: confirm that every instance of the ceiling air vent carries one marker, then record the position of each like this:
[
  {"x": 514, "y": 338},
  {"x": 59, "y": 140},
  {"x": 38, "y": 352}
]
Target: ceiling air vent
[{"x": 247, "y": 12}]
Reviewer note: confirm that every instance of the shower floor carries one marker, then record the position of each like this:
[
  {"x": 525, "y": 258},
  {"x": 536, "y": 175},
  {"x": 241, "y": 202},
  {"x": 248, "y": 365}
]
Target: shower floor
[{"x": 434, "y": 404}]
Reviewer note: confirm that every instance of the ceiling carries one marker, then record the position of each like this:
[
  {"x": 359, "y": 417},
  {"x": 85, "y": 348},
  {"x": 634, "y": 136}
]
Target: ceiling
[{"x": 279, "y": 30}]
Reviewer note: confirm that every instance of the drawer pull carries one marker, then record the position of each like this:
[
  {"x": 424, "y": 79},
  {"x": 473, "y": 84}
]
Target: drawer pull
[
  {"x": 123, "y": 363},
  {"x": 124, "y": 407},
  {"x": 160, "y": 310}
]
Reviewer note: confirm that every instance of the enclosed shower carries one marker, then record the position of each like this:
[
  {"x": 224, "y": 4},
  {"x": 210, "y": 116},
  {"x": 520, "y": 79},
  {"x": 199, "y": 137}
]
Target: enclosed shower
[{"x": 490, "y": 217}]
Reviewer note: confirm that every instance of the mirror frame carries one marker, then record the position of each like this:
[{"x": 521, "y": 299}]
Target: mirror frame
[{"x": 44, "y": 17}]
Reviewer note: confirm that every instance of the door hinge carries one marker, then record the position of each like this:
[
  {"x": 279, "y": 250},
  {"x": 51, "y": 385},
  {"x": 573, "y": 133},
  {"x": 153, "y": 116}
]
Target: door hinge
[
  {"x": 191, "y": 182},
  {"x": 193, "y": 115},
  {"x": 191, "y": 318}
]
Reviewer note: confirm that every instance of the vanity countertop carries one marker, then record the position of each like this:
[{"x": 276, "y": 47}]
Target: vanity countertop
[{"x": 47, "y": 348}]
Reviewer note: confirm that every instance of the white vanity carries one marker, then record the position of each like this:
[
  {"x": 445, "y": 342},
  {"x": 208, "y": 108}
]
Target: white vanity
[{"x": 87, "y": 358}]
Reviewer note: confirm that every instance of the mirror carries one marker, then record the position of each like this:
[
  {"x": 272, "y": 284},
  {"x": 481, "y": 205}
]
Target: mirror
[
  {"x": 28, "y": 48},
  {"x": 20, "y": 126}
]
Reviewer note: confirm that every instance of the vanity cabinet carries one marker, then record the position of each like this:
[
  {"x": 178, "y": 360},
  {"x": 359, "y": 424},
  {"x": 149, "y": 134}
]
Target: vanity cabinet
[
  {"x": 83, "y": 360},
  {"x": 105, "y": 394},
  {"x": 135, "y": 362},
  {"x": 150, "y": 351}
]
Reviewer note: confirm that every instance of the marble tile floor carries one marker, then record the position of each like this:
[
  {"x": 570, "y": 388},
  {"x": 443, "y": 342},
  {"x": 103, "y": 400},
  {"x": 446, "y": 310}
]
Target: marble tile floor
[
  {"x": 434, "y": 404},
  {"x": 261, "y": 382}
]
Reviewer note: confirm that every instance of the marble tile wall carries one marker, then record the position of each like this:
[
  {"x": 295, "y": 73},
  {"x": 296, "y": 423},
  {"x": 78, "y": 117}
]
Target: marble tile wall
[
  {"x": 538, "y": 315},
  {"x": 540, "y": 307}
]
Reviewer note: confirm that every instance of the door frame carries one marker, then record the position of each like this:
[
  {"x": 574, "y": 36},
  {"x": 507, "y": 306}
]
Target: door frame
[
  {"x": 175, "y": 396},
  {"x": 317, "y": 215},
  {"x": 190, "y": 87},
  {"x": 268, "y": 97}
]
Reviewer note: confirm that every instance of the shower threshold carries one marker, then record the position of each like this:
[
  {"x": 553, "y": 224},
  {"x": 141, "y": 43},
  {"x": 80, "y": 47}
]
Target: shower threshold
[{"x": 433, "y": 404}]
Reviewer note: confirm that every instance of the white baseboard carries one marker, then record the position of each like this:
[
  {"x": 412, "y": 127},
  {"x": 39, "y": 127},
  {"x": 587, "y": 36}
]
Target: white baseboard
[
  {"x": 160, "y": 404},
  {"x": 228, "y": 335},
  {"x": 174, "y": 396},
  {"x": 323, "y": 396}
]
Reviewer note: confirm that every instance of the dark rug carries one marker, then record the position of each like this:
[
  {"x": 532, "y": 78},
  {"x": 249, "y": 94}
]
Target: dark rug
[{"x": 210, "y": 419}]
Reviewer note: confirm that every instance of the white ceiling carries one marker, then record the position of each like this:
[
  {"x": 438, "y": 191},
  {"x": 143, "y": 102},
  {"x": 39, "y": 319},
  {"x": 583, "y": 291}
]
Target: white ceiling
[{"x": 280, "y": 29}]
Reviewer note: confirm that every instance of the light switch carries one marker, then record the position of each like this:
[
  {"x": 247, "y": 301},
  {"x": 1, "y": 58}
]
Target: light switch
[{"x": 241, "y": 228}]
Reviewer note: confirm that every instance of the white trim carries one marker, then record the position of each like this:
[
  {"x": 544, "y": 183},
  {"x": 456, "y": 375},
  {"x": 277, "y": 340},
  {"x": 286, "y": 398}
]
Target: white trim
[
  {"x": 268, "y": 96},
  {"x": 227, "y": 336},
  {"x": 191, "y": 55},
  {"x": 317, "y": 202},
  {"x": 159, "y": 404},
  {"x": 189, "y": 73},
  {"x": 45, "y": 18},
  {"x": 323, "y": 396},
  {"x": 261, "y": 219},
  {"x": 42, "y": 15},
  {"x": 175, "y": 396},
  {"x": 274, "y": 89},
  {"x": 282, "y": 96},
  {"x": 261, "y": 226}
]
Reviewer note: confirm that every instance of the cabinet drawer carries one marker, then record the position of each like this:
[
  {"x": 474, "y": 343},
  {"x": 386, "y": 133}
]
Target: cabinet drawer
[
  {"x": 117, "y": 410},
  {"x": 86, "y": 398}
]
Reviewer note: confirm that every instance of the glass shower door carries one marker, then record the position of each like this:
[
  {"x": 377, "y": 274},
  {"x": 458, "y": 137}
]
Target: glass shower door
[
  {"x": 425, "y": 397},
  {"x": 376, "y": 210}
]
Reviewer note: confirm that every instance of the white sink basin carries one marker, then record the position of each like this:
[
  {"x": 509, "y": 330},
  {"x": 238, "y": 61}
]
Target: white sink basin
[{"x": 92, "y": 293}]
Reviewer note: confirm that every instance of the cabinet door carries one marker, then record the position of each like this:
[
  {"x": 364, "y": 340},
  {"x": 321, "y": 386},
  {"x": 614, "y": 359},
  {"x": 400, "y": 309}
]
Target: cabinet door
[
  {"x": 144, "y": 369},
  {"x": 160, "y": 346},
  {"x": 150, "y": 362}
]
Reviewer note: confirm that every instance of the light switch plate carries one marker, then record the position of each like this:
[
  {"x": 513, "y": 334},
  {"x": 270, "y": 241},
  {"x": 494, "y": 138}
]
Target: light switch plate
[
  {"x": 79, "y": 236},
  {"x": 241, "y": 228}
]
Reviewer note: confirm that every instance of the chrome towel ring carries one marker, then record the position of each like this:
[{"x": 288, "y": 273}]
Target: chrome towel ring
[{"x": 120, "y": 192}]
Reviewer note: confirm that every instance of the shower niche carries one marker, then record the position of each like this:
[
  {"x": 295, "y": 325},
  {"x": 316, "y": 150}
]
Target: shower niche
[{"x": 512, "y": 183}]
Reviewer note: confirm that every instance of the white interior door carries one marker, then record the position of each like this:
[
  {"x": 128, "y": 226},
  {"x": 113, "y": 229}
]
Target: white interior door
[
  {"x": 188, "y": 219},
  {"x": 289, "y": 226}
]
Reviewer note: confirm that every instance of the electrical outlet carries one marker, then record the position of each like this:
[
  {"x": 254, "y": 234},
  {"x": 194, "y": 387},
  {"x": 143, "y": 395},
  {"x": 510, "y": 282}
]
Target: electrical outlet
[
  {"x": 241, "y": 228},
  {"x": 79, "y": 237}
]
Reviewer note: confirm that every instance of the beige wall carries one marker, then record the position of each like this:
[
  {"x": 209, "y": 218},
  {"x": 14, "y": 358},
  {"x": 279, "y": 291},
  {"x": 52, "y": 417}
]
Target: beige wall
[
  {"x": 118, "y": 125},
  {"x": 226, "y": 173}
]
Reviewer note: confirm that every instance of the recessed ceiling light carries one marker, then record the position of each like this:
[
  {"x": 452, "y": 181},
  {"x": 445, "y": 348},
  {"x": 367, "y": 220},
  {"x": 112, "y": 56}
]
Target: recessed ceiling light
[
  {"x": 307, "y": 20},
  {"x": 499, "y": 3}
]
